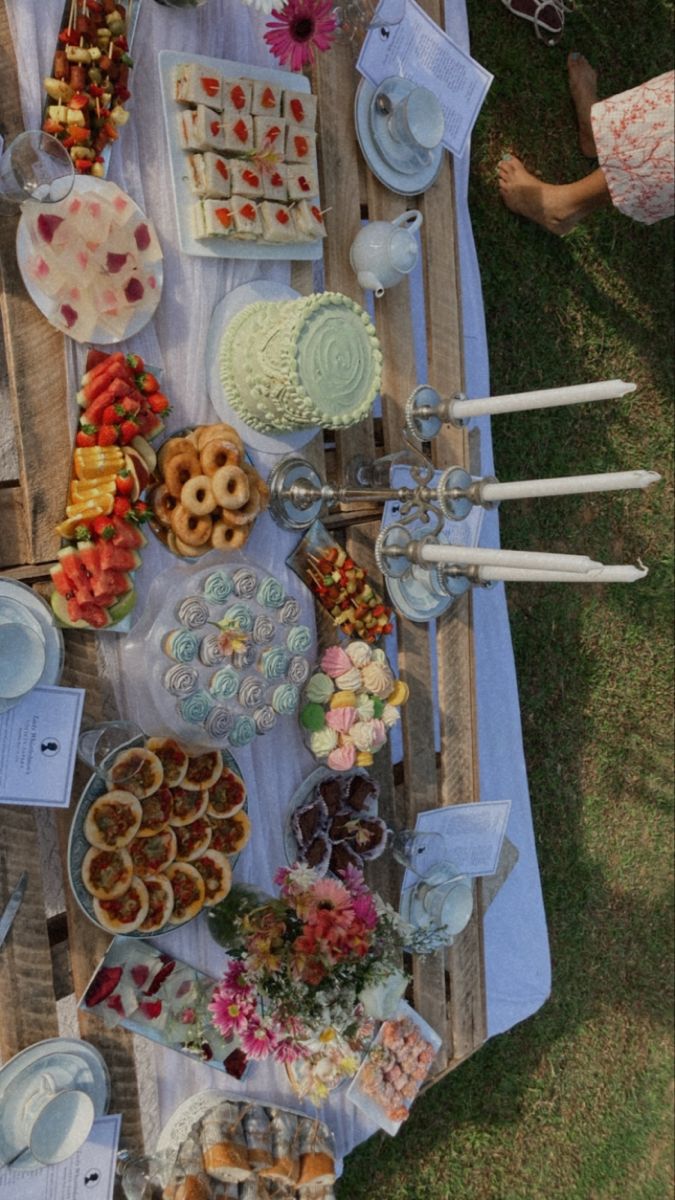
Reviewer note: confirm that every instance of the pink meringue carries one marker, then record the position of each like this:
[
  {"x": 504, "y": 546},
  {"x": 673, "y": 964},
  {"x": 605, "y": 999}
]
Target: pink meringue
[
  {"x": 341, "y": 719},
  {"x": 342, "y": 759},
  {"x": 335, "y": 662},
  {"x": 379, "y": 733}
]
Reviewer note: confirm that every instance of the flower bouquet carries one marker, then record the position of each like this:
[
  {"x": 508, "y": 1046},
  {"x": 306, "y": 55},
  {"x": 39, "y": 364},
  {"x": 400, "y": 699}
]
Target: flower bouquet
[{"x": 309, "y": 973}]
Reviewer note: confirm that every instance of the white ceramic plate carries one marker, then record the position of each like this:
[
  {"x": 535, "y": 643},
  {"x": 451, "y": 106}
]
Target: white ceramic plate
[
  {"x": 101, "y": 336},
  {"x": 185, "y": 198},
  {"x": 366, "y": 1103},
  {"x": 225, "y": 310},
  {"x": 33, "y": 612},
  {"x": 303, "y": 794},
  {"x": 71, "y": 1063},
  {"x": 403, "y": 183}
]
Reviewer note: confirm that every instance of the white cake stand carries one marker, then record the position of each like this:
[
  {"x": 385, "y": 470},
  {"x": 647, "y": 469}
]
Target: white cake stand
[{"x": 223, "y": 313}]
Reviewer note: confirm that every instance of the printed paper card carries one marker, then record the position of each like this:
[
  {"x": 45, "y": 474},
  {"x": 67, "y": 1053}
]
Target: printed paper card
[
  {"x": 38, "y": 747},
  {"x": 417, "y": 49},
  {"x": 473, "y": 836},
  {"x": 89, "y": 1174}
]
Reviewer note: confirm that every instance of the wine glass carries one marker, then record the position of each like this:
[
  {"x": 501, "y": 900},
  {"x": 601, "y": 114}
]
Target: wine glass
[
  {"x": 96, "y": 746},
  {"x": 35, "y": 166}
]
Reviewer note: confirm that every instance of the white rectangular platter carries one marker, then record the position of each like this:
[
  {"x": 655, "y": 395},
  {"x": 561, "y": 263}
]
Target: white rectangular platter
[
  {"x": 183, "y": 195},
  {"x": 366, "y": 1104}
]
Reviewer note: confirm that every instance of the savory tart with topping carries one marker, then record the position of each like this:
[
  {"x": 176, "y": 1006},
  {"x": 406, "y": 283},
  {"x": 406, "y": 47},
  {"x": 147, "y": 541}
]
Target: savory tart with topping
[
  {"x": 138, "y": 771},
  {"x": 202, "y": 770},
  {"x": 226, "y": 795},
  {"x": 160, "y": 904},
  {"x": 173, "y": 757},
  {"x": 107, "y": 873},
  {"x": 157, "y": 810},
  {"x": 189, "y": 891},
  {"x": 231, "y": 834},
  {"x": 215, "y": 870},
  {"x": 193, "y": 839},
  {"x": 113, "y": 820},
  {"x": 187, "y": 806},
  {"x": 125, "y": 913},
  {"x": 153, "y": 854}
]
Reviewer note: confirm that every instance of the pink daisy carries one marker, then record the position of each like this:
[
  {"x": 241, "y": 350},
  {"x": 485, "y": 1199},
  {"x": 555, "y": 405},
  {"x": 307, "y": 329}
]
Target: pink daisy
[
  {"x": 299, "y": 28},
  {"x": 235, "y": 981},
  {"x": 288, "y": 1052},
  {"x": 258, "y": 1041},
  {"x": 229, "y": 1014}
]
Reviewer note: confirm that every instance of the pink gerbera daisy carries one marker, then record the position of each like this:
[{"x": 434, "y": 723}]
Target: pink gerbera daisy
[
  {"x": 258, "y": 1041},
  {"x": 299, "y": 28}
]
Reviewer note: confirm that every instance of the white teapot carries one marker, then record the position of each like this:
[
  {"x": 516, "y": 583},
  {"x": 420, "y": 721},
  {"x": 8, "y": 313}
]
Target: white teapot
[{"x": 383, "y": 252}]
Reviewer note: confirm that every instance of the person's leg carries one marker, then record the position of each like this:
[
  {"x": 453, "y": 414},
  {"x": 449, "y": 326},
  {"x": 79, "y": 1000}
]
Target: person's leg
[
  {"x": 583, "y": 88},
  {"x": 557, "y": 207}
]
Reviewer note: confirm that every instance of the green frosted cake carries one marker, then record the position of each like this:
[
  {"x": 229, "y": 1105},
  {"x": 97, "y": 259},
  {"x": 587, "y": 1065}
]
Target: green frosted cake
[{"x": 293, "y": 364}]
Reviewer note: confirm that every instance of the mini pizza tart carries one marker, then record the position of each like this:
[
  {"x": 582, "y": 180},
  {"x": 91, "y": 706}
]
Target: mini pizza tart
[
  {"x": 160, "y": 904},
  {"x": 173, "y": 757},
  {"x": 215, "y": 870},
  {"x": 157, "y": 810},
  {"x": 227, "y": 795},
  {"x": 231, "y": 835},
  {"x": 153, "y": 854},
  {"x": 193, "y": 839},
  {"x": 107, "y": 873},
  {"x": 125, "y": 913},
  {"x": 113, "y": 820},
  {"x": 203, "y": 770},
  {"x": 187, "y": 806},
  {"x": 189, "y": 891},
  {"x": 138, "y": 771}
]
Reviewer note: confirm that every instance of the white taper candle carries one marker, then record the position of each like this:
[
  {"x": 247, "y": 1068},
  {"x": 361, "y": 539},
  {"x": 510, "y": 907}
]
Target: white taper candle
[
  {"x": 471, "y": 556},
  {"x": 609, "y": 389},
  {"x": 569, "y": 485},
  {"x": 613, "y": 574}
]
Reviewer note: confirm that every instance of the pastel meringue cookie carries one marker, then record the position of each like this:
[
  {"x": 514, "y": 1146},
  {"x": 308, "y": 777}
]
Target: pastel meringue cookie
[
  {"x": 379, "y": 656},
  {"x": 289, "y": 611},
  {"x": 251, "y": 692},
  {"x": 245, "y": 583},
  {"x": 323, "y": 741},
  {"x": 195, "y": 708},
  {"x": 240, "y": 615},
  {"x": 224, "y": 683},
  {"x": 264, "y": 630},
  {"x": 342, "y": 758},
  {"x": 217, "y": 587},
  {"x": 193, "y": 612},
  {"x": 274, "y": 662},
  {"x": 379, "y": 733},
  {"x": 378, "y": 679},
  {"x": 244, "y": 657},
  {"x": 349, "y": 681},
  {"x": 298, "y": 670},
  {"x": 270, "y": 593},
  {"x": 320, "y": 688},
  {"x": 265, "y": 718},
  {"x": 210, "y": 650},
  {"x": 181, "y": 644},
  {"x": 335, "y": 662},
  {"x": 343, "y": 700},
  {"x": 365, "y": 707},
  {"x": 312, "y": 717},
  {"x": 341, "y": 719},
  {"x": 242, "y": 732},
  {"x": 390, "y": 716},
  {"x": 368, "y": 735},
  {"x": 400, "y": 693},
  {"x": 285, "y": 699},
  {"x": 299, "y": 639},
  {"x": 219, "y": 722},
  {"x": 181, "y": 680},
  {"x": 359, "y": 653}
]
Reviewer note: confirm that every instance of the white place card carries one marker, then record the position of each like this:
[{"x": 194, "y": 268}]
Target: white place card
[
  {"x": 473, "y": 834},
  {"x": 38, "y": 747},
  {"x": 89, "y": 1174},
  {"x": 419, "y": 50}
]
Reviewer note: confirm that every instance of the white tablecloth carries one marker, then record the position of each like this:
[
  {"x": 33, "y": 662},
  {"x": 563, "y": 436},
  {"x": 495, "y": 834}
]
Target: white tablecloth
[{"x": 517, "y": 957}]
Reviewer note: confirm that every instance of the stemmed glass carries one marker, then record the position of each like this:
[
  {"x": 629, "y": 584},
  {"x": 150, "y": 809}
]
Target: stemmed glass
[
  {"x": 143, "y": 1176},
  {"x": 35, "y": 166},
  {"x": 96, "y": 746}
]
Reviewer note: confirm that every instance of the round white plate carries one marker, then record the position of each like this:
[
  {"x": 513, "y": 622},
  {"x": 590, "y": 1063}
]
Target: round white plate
[
  {"x": 303, "y": 793},
  {"x": 100, "y": 335},
  {"x": 402, "y": 182},
  {"x": 34, "y": 612},
  {"x": 225, "y": 310},
  {"x": 71, "y": 1063}
]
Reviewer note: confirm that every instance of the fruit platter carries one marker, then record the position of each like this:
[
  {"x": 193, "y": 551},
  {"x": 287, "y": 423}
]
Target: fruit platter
[
  {"x": 121, "y": 409},
  {"x": 154, "y": 837},
  {"x": 341, "y": 586}
]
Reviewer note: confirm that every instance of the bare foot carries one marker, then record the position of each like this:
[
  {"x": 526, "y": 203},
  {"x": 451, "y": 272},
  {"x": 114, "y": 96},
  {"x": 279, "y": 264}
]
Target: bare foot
[
  {"x": 528, "y": 196},
  {"x": 583, "y": 87}
]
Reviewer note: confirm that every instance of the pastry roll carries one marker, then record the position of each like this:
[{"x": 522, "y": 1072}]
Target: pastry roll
[
  {"x": 224, "y": 1145},
  {"x": 258, "y": 1136},
  {"x": 317, "y": 1165},
  {"x": 285, "y": 1167}
]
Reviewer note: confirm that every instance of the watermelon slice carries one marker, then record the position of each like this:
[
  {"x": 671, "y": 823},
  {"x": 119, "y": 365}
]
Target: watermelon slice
[
  {"x": 120, "y": 582},
  {"x": 89, "y": 556},
  {"x": 127, "y": 535},
  {"x": 118, "y": 558},
  {"x": 61, "y": 581},
  {"x": 70, "y": 613},
  {"x": 73, "y": 566}
]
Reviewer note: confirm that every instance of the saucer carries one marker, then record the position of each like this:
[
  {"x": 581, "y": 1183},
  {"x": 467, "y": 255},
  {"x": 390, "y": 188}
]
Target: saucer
[
  {"x": 71, "y": 1063},
  {"x": 20, "y": 603},
  {"x": 413, "y": 600},
  {"x": 399, "y": 173},
  {"x": 413, "y": 912}
]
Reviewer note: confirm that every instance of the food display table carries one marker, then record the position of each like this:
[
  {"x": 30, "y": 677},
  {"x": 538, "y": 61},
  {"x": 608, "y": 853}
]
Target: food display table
[{"x": 460, "y": 730}]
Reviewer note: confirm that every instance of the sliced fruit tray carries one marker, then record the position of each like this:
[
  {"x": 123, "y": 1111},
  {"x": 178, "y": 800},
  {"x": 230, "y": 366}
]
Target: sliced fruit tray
[{"x": 112, "y": 463}]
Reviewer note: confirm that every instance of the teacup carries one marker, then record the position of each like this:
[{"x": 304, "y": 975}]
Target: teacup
[
  {"x": 417, "y": 122},
  {"x": 22, "y": 660},
  {"x": 56, "y": 1121}
]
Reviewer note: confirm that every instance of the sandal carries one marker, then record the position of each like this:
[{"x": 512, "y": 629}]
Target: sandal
[{"x": 547, "y": 16}]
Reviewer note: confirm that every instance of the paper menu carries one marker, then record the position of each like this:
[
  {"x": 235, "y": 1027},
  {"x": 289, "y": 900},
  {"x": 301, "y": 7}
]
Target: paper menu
[
  {"x": 38, "y": 747},
  {"x": 417, "y": 49},
  {"x": 89, "y": 1174},
  {"x": 473, "y": 834}
]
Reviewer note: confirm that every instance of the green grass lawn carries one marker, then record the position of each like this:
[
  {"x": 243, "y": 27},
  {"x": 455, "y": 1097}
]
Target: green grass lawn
[{"x": 576, "y": 1104}]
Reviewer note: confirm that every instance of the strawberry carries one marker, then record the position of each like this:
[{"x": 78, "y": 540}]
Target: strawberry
[
  {"x": 276, "y": 180},
  {"x": 268, "y": 99},
  {"x": 107, "y": 435},
  {"x": 103, "y": 528},
  {"x": 124, "y": 483},
  {"x": 224, "y": 215},
  {"x": 221, "y": 168},
  {"x": 241, "y": 130},
  {"x": 215, "y": 126},
  {"x": 302, "y": 180},
  {"x": 282, "y": 216},
  {"x": 82, "y": 533},
  {"x": 316, "y": 213},
  {"x": 147, "y": 383},
  {"x": 210, "y": 84},
  {"x": 128, "y": 431},
  {"x": 298, "y": 111},
  {"x": 121, "y": 506},
  {"x": 86, "y": 436},
  {"x": 158, "y": 402},
  {"x": 238, "y": 97},
  {"x": 248, "y": 211},
  {"x": 112, "y": 414},
  {"x": 251, "y": 178},
  {"x": 301, "y": 146},
  {"x": 136, "y": 363},
  {"x": 139, "y": 512},
  {"x": 272, "y": 134}
]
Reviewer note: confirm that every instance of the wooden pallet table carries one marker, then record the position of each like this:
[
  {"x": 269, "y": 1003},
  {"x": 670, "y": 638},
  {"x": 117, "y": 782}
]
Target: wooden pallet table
[{"x": 46, "y": 959}]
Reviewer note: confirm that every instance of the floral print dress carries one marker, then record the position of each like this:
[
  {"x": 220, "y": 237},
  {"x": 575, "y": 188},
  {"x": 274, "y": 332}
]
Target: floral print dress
[{"x": 634, "y": 141}]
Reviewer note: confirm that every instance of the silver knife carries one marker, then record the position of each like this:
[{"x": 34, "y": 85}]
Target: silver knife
[{"x": 13, "y": 906}]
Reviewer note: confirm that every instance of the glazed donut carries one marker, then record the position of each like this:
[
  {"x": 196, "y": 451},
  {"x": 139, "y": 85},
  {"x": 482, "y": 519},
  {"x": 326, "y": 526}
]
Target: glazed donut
[
  {"x": 219, "y": 453},
  {"x": 230, "y": 488},
  {"x": 226, "y": 537},
  {"x": 206, "y": 433},
  {"x": 256, "y": 481},
  {"x": 246, "y": 513},
  {"x": 179, "y": 469},
  {"x": 162, "y": 503},
  {"x": 182, "y": 548},
  {"x": 197, "y": 496},
  {"x": 172, "y": 447},
  {"x": 191, "y": 529}
]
